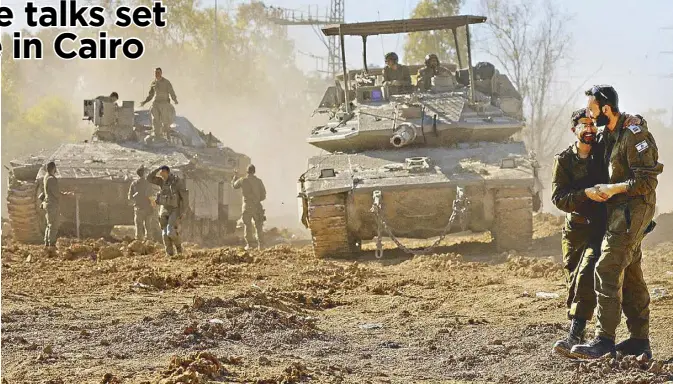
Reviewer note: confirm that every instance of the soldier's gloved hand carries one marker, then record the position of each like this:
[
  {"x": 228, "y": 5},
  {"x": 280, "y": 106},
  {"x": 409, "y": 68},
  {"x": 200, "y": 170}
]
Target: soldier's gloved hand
[
  {"x": 175, "y": 102},
  {"x": 595, "y": 195}
]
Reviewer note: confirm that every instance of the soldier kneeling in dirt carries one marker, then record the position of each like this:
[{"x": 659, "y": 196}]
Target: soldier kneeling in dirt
[
  {"x": 253, "y": 195},
  {"x": 173, "y": 203}
]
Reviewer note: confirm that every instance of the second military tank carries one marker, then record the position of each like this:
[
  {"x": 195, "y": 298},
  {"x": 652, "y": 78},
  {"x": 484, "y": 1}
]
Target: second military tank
[{"x": 100, "y": 171}]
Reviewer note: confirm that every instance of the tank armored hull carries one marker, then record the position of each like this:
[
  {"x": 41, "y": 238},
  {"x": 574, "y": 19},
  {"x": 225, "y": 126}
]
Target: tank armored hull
[
  {"x": 418, "y": 187},
  {"x": 100, "y": 174}
]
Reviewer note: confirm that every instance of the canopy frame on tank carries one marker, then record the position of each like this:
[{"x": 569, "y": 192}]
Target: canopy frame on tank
[{"x": 388, "y": 27}]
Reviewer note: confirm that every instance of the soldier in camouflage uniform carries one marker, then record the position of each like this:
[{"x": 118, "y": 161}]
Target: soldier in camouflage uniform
[
  {"x": 162, "y": 111},
  {"x": 51, "y": 198},
  {"x": 253, "y": 195},
  {"x": 431, "y": 69},
  {"x": 395, "y": 73},
  {"x": 632, "y": 161},
  {"x": 174, "y": 203},
  {"x": 576, "y": 171},
  {"x": 140, "y": 192}
]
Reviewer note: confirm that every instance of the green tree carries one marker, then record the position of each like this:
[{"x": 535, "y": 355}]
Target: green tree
[{"x": 441, "y": 43}]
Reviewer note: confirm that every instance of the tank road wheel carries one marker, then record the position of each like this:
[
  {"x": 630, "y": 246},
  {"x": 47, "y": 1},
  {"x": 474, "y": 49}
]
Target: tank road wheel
[
  {"x": 329, "y": 227},
  {"x": 513, "y": 222},
  {"x": 24, "y": 212}
]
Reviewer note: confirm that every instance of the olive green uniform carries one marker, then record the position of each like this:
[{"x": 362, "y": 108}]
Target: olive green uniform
[
  {"x": 253, "y": 194},
  {"x": 425, "y": 75},
  {"x": 400, "y": 74},
  {"x": 51, "y": 205},
  {"x": 173, "y": 202},
  {"x": 631, "y": 156},
  {"x": 163, "y": 113},
  {"x": 140, "y": 192},
  {"x": 584, "y": 225}
]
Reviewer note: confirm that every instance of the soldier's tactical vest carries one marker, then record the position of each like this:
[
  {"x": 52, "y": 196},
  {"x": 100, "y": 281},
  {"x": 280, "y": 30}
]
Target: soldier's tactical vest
[{"x": 168, "y": 196}]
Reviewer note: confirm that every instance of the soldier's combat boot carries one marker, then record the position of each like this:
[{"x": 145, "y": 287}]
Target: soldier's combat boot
[
  {"x": 595, "y": 349},
  {"x": 575, "y": 336},
  {"x": 178, "y": 249},
  {"x": 637, "y": 347}
]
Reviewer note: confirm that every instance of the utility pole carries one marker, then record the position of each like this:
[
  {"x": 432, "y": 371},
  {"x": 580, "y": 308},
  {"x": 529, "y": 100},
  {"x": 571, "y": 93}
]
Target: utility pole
[{"x": 334, "y": 15}]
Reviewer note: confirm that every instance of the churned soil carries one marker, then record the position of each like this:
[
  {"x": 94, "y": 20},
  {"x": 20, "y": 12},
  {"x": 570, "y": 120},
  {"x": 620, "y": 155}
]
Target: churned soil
[{"x": 96, "y": 311}]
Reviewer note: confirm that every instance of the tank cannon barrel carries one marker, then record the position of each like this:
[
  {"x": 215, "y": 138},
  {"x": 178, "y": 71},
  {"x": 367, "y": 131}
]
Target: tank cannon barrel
[{"x": 404, "y": 135}]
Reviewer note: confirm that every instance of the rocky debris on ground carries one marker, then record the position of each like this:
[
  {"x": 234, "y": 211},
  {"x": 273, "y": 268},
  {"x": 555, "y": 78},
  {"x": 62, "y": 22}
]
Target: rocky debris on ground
[
  {"x": 222, "y": 255},
  {"x": 109, "y": 378},
  {"x": 335, "y": 277},
  {"x": 625, "y": 370},
  {"x": 533, "y": 267},
  {"x": 249, "y": 317},
  {"x": 197, "y": 368},
  {"x": 139, "y": 247},
  {"x": 441, "y": 262},
  {"x": 158, "y": 280}
]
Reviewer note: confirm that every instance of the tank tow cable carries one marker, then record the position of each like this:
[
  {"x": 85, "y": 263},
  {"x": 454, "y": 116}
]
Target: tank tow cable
[{"x": 459, "y": 214}]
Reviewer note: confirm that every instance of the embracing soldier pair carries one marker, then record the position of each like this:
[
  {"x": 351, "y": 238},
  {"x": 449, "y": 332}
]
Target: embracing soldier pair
[{"x": 606, "y": 183}]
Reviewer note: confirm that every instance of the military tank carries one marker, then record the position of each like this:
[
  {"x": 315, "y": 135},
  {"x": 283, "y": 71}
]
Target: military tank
[
  {"x": 401, "y": 162},
  {"x": 101, "y": 169}
]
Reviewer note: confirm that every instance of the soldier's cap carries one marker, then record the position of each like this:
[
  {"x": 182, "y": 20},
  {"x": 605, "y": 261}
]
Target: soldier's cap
[
  {"x": 576, "y": 116},
  {"x": 604, "y": 94}
]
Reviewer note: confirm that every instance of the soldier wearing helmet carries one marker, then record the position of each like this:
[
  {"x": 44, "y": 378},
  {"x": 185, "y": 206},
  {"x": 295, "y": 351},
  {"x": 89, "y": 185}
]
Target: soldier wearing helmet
[
  {"x": 431, "y": 69},
  {"x": 395, "y": 73}
]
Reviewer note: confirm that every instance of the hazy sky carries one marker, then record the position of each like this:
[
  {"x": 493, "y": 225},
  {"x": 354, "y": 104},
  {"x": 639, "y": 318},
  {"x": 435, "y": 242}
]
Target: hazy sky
[{"x": 626, "y": 37}]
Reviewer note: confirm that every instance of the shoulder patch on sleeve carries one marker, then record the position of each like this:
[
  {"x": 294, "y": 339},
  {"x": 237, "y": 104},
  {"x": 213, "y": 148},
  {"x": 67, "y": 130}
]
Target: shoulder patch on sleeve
[
  {"x": 642, "y": 146},
  {"x": 635, "y": 129}
]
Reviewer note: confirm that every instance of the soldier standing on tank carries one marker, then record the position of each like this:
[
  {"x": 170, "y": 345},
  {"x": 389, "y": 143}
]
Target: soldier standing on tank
[
  {"x": 632, "y": 161},
  {"x": 173, "y": 202},
  {"x": 140, "y": 192},
  {"x": 253, "y": 195},
  {"x": 576, "y": 171},
  {"x": 51, "y": 199},
  {"x": 162, "y": 111},
  {"x": 395, "y": 73},
  {"x": 432, "y": 68}
]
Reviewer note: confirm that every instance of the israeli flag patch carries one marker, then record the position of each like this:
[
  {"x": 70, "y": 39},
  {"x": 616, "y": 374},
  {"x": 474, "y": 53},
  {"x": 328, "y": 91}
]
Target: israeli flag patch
[
  {"x": 642, "y": 146},
  {"x": 635, "y": 129}
]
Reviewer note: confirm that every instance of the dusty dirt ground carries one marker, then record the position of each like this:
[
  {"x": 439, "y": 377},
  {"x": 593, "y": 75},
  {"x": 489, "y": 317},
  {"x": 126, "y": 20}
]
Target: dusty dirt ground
[{"x": 100, "y": 312}]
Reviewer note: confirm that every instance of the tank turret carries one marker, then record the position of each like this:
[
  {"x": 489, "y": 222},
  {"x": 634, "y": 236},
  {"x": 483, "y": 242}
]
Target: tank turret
[{"x": 111, "y": 121}]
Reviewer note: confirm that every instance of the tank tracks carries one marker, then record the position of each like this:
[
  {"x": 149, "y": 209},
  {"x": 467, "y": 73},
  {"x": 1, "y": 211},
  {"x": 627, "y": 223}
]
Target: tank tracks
[
  {"x": 513, "y": 222},
  {"x": 24, "y": 212},
  {"x": 328, "y": 222}
]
